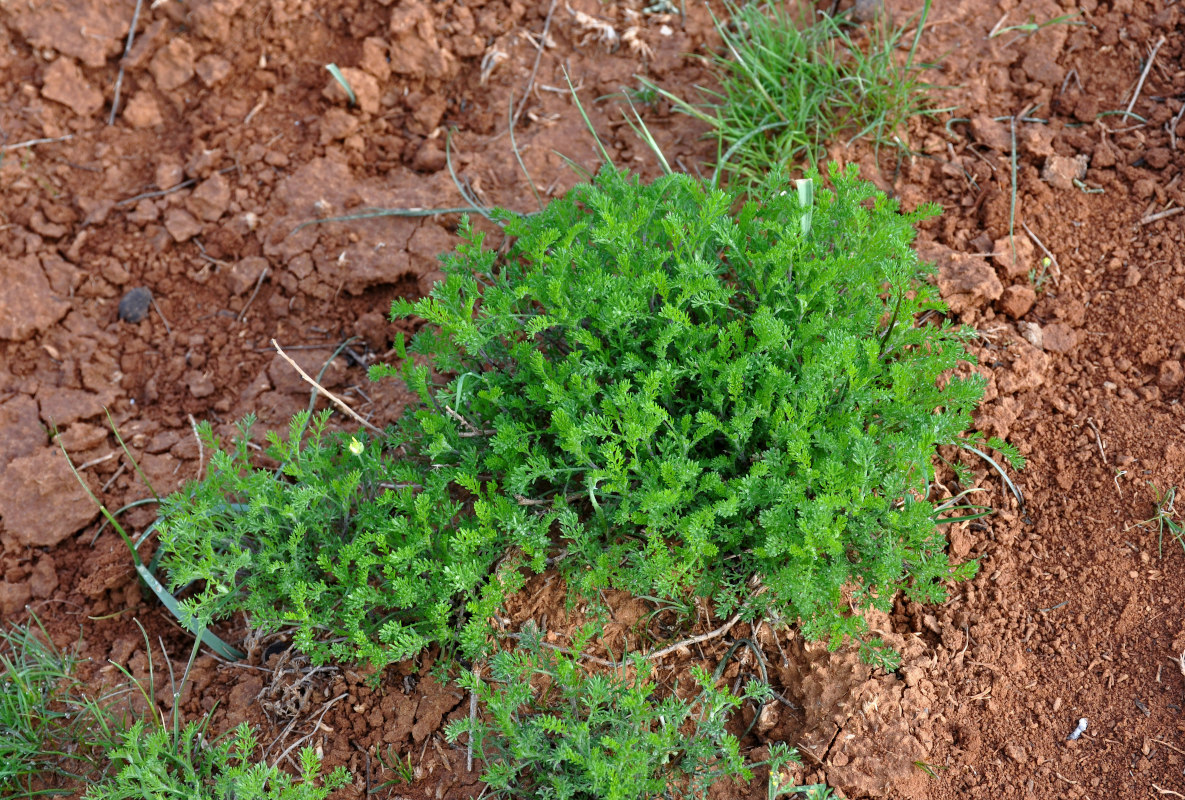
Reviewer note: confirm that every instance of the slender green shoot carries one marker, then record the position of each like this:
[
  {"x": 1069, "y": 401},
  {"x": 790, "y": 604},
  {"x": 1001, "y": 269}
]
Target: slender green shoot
[
  {"x": 1165, "y": 518},
  {"x": 341, "y": 79},
  {"x": 794, "y": 80}
]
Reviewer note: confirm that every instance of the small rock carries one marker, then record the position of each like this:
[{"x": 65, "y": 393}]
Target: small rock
[
  {"x": 965, "y": 281},
  {"x": 13, "y": 598},
  {"x": 244, "y": 693},
  {"x": 1023, "y": 262},
  {"x": 133, "y": 306},
  {"x": 172, "y": 66},
  {"x": 21, "y": 432},
  {"x": 1132, "y": 277},
  {"x": 27, "y": 303},
  {"x": 210, "y": 199},
  {"x": 1170, "y": 374},
  {"x": 243, "y": 275},
  {"x": 1060, "y": 172},
  {"x": 143, "y": 111},
  {"x": 64, "y": 84},
  {"x": 181, "y": 225},
  {"x": 1017, "y": 300},
  {"x": 1032, "y": 334},
  {"x": 82, "y": 436},
  {"x": 41, "y": 501},
  {"x": 913, "y": 675},
  {"x": 374, "y": 58},
  {"x": 1059, "y": 337},
  {"x": 867, "y": 10},
  {"x": 991, "y": 133},
  {"x": 429, "y": 157},
  {"x": 212, "y": 70},
  {"x": 61, "y": 407},
  {"x": 169, "y": 173},
  {"x": 1016, "y": 752},
  {"x": 199, "y": 384},
  {"x": 337, "y": 124},
  {"x": 1158, "y": 157},
  {"x": 44, "y": 578}
]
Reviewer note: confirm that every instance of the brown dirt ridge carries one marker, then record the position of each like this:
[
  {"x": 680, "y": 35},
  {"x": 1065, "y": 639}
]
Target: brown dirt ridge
[{"x": 230, "y": 134}]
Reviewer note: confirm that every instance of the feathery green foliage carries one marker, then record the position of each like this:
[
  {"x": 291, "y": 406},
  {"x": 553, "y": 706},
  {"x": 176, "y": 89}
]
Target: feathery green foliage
[
  {"x": 154, "y": 762},
  {"x": 361, "y": 551},
  {"x": 554, "y": 730},
  {"x": 698, "y": 395},
  {"x": 669, "y": 392}
]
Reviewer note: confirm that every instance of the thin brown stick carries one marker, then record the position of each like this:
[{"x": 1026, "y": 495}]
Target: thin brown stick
[
  {"x": 703, "y": 637},
  {"x": 535, "y": 69},
  {"x": 32, "y": 142},
  {"x": 98, "y": 460},
  {"x": 1057, "y": 268},
  {"x": 1167, "y": 791},
  {"x": 1169, "y": 212},
  {"x": 251, "y": 299},
  {"x": 316, "y": 727},
  {"x": 472, "y": 720},
  {"x": 168, "y": 330},
  {"x": 336, "y": 400},
  {"x": 1098, "y": 439},
  {"x": 1144, "y": 74},
  {"x": 126, "y": 49}
]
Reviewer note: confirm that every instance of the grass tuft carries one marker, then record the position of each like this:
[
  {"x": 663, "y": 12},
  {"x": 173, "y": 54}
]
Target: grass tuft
[{"x": 793, "y": 81}]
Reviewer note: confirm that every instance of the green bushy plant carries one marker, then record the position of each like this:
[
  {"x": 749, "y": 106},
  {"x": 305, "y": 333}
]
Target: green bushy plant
[
  {"x": 553, "y": 730},
  {"x": 362, "y": 552},
  {"x": 705, "y": 397},
  {"x": 154, "y": 761},
  {"x": 669, "y": 391}
]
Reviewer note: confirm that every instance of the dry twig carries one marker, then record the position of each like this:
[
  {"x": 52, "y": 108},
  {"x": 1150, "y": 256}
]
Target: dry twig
[
  {"x": 336, "y": 400},
  {"x": 1144, "y": 75}
]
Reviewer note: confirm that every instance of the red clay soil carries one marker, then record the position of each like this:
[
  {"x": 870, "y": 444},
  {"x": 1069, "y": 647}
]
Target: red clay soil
[{"x": 230, "y": 133}]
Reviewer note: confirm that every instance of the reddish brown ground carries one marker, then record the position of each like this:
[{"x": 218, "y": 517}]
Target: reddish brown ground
[{"x": 1076, "y": 612}]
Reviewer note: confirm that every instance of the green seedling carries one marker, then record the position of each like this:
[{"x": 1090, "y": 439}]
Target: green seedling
[
  {"x": 405, "y": 773},
  {"x": 1165, "y": 519},
  {"x": 793, "y": 80},
  {"x": 1032, "y": 26},
  {"x": 345, "y": 84}
]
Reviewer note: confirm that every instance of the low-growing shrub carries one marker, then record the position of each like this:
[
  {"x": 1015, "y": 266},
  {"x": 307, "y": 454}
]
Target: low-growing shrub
[
  {"x": 731, "y": 402},
  {"x": 665, "y": 390},
  {"x": 551, "y": 729}
]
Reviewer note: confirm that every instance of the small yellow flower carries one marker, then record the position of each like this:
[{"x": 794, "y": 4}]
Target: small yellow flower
[{"x": 356, "y": 446}]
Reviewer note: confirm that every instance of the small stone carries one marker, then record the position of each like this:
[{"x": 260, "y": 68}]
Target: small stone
[
  {"x": 1170, "y": 374},
  {"x": 1016, "y": 752},
  {"x": 374, "y": 58},
  {"x": 965, "y": 281},
  {"x": 82, "y": 436},
  {"x": 1018, "y": 265},
  {"x": 212, "y": 70},
  {"x": 172, "y": 66},
  {"x": 169, "y": 173},
  {"x": 1017, "y": 300},
  {"x": 1032, "y": 333},
  {"x": 867, "y": 10},
  {"x": 244, "y": 274},
  {"x": 199, "y": 384},
  {"x": 143, "y": 111},
  {"x": 27, "y": 303},
  {"x": 337, "y": 124},
  {"x": 64, "y": 84},
  {"x": 1132, "y": 277},
  {"x": 181, "y": 225},
  {"x": 1060, "y": 172},
  {"x": 44, "y": 578},
  {"x": 41, "y": 501},
  {"x": 133, "y": 306},
  {"x": 210, "y": 199},
  {"x": 1158, "y": 157},
  {"x": 1059, "y": 337},
  {"x": 991, "y": 133},
  {"x": 429, "y": 157},
  {"x": 13, "y": 598}
]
